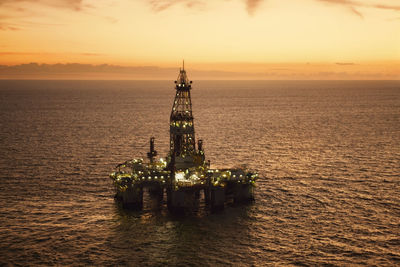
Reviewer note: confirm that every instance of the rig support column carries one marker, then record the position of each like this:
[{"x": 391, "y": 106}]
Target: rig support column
[
  {"x": 243, "y": 193},
  {"x": 157, "y": 191},
  {"x": 217, "y": 198},
  {"x": 181, "y": 200},
  {"x": 132, "y": 197}
]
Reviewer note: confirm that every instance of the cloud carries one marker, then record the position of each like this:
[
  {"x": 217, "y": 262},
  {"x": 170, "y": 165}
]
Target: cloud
[
  {"x": 395, "y": 8},
  {"x": 160, "y": 5},
  {"x": 343, "y": 2},
  {"x": 17, "y": 53},
  {"x": 106, "y": 71},
  {"x": 83, "y": 71},
  {"x": 280, "y": 69},
  {"x": 4, "y": 27},
  {"x": 355, "y": 11},
  {"x": 348, "y": 3},
  {"x": 13, "y": 53},
  {"x": 16, "y": 13},
  {"x": 345, "y": 63},
  {"x": 92, "y": 54},
  {"x": 352, "y": 5},
  {"x": 252, "y": 5},
  {"x": 15, "y": 9},
  {"x": 76, "y": 5}
]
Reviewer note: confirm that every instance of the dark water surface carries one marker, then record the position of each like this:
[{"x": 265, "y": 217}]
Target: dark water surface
[{"x": 328, "y": 154}]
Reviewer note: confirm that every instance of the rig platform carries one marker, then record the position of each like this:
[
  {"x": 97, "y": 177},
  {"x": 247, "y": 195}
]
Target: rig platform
[{"x": 184, "y": 173}]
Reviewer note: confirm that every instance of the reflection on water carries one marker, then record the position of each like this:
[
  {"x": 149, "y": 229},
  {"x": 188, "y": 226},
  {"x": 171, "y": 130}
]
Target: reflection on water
[
  {"x": 163, "y": 238},
  {"x": 327, "y": 153}
]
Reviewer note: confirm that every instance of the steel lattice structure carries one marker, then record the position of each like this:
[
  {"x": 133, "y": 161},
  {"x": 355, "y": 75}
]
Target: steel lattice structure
[{"x": 182, "y": 137}]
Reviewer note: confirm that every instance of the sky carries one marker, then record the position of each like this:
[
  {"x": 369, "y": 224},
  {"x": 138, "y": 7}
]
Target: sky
[{"x": 249, "y": 39}]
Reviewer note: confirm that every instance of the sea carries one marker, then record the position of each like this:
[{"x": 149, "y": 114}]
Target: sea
[{"x": 327, "y": 154}]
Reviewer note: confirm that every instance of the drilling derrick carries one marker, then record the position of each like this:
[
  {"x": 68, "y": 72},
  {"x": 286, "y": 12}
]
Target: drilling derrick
[{"x": 182, "y": 139}]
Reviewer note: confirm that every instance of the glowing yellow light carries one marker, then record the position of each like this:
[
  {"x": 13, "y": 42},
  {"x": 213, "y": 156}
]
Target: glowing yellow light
[
  {"x": 179, "y": 176},
  {"x": 194, "y": 177}
]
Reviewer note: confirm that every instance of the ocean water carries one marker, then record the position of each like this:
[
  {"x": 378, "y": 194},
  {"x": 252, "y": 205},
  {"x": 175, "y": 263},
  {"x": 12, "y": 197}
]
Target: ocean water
[{"x": 328, "y": 155}]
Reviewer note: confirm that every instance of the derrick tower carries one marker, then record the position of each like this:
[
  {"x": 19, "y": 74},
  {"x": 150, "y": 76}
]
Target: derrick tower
[{"x": 182, "y": 138}]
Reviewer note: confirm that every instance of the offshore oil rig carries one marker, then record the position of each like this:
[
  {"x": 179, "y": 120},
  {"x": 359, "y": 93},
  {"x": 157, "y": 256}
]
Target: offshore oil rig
[{"x": 185, "y": 173}]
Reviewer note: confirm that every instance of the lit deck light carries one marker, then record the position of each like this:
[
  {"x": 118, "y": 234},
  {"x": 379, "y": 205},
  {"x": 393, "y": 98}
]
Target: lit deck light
[
  {"x": 194, "y": 177},
  {"x": 179, "y": 176}
]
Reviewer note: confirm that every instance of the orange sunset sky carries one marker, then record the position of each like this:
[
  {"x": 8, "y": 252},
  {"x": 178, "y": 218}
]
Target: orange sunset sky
[{"x": 219, "y": 39}]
